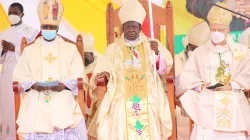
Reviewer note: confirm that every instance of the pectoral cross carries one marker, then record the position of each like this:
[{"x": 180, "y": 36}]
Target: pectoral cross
[{"x": 50, "y": 58}]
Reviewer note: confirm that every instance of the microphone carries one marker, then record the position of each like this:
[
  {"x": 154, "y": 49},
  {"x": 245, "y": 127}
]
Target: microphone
[{"x": 207, "y": 1}]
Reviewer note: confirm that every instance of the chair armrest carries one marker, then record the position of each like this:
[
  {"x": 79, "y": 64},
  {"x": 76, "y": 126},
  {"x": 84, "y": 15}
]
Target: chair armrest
[
  {"x": 81, "y": 96},
  {"x": 102, "y": 82},
  {"x": 171, "y": 100},
  {"x": 170, "y": 78},
  {"x": 17, "y": 98},
  {"x": 80, "y": 83},
  {"x": 15, "y": 86}
]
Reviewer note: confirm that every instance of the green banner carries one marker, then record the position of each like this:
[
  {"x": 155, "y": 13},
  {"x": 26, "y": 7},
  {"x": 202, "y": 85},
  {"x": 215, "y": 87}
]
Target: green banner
[{"x": 179, "y": 46}]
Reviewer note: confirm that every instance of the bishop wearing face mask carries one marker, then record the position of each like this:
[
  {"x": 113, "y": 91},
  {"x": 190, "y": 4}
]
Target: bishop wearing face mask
[
  {"x": 50, "y": 113},
  {"x": 212, "y": 83},
  {"x": 10, "y": 41}
]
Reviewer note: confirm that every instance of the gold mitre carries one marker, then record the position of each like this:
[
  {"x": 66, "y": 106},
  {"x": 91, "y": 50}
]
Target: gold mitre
[
  {"x": 218, "y": 15},
  {"x": 199, "y": 34},
  {"x": 50, "y": 12},
  {"x": 132, "y": 10}
]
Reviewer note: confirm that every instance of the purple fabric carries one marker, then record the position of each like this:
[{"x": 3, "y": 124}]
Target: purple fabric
[
  {"x": 78, "y": 133},
  {"x": 162, "y": 65}
]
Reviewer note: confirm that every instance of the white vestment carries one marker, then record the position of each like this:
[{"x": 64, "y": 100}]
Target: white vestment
[
  {"x": 8, "y": 62},
  {"x": 50, "y": 115},
  {"x": 201, "y": 133},
  {"x": 219, "y": 115}
]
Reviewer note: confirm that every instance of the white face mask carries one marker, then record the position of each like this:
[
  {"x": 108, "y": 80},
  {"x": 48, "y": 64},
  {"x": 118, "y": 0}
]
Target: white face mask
[
  {"x": 14, "y": 19},
  {"x": 217, "y": 37}
]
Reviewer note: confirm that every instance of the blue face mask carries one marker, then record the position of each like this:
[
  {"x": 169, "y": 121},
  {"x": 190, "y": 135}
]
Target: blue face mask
[{"x": 49, "y": 34}]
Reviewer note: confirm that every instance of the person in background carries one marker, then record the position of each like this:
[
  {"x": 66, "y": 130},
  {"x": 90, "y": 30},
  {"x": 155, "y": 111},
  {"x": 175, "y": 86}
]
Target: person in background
[
  {"x": 50, "y": 113},
  {"x": 197, "y": 36},
  {"x": 10, "y": 52},
  {"x": 212, "y": 83},
  {"x": 92, "y": 100},
  {"x": 201, "y": 8}
]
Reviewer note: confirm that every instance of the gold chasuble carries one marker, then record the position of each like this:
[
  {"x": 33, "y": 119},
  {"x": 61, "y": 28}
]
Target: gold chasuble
[
  {"x": 136, "y": 93},
  {"x": 132, "y": 108}
]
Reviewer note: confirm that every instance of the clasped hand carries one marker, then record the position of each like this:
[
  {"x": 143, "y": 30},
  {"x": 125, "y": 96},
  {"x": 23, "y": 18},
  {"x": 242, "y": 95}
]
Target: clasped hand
[
  {"x": 7, "y": 46},
  {"x": 58, "y": 88}
]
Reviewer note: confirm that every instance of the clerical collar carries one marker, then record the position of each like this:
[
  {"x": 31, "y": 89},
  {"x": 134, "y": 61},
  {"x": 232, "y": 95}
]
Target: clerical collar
[
  {"x": 219, "y": 48},
  {"x": 132, "y": 42},
  {"x": 47, "y": 43}
]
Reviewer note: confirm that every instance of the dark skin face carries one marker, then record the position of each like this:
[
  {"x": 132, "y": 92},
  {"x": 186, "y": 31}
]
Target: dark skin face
[
  {"x": 49, "y": 27},
  {"x": 89, "y": 58},
  {"x": 131, "y": 30},
  {"x": 190, "y": 47},
  {"x": 14, "y": 10}
]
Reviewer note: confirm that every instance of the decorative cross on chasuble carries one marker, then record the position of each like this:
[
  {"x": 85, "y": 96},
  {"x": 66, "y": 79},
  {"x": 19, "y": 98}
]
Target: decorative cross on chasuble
[
  {"x": 50, "y": 58},
  {"x": 225, "y": 101}
]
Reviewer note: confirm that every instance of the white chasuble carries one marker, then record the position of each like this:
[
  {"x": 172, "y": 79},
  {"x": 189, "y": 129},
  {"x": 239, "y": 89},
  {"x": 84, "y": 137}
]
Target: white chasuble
[
  {"x": 49, "y": 113},
  {"x": 218, "y": 115},
  {"x": 225, "y": 105}
]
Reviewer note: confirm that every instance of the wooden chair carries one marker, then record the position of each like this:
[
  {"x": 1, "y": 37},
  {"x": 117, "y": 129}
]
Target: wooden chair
[
  {"x": 16, "y": 89},
  {"x": 162, "y": 16}
]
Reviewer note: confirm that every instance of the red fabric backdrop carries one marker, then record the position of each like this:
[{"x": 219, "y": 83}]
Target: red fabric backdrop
[{"x": 146, "y": 28}]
